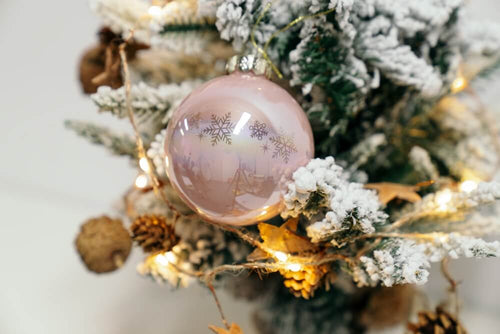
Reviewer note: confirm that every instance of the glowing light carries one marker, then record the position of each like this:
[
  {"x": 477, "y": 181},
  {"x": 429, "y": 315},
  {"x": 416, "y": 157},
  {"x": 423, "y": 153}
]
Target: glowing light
[
  {"x": 468, "y": 185},
  {"x": 166, "y": 162},
  {"x": 141, "y": 181},
  {"x": 144, "y": 164},
  {"x": 458, "y": 84},
  {"x": 171, "y": 257},
  {"x": 154, "y": 11},
  {"x": 241, "y": 123},
  {"x": 162, "y": 260},
  {"x": 186, "y": 124},
  {"x": 443, "y": 198},
  {"x": 294, "y": 267},
  {"x": 280, "y": 256},
  {"x": 182, "y": 132}
]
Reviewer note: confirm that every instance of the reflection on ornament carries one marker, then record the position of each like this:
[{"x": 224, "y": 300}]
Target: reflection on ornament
[{"x": 233, "y": 144}]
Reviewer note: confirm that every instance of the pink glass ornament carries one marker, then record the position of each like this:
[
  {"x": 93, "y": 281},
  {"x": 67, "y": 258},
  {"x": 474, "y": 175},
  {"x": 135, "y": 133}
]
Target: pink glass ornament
[{"x": 232, "y": 146}]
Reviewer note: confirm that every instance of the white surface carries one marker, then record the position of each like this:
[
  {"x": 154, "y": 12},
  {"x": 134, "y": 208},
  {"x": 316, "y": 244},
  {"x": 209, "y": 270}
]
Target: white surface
[{"x": 51, "y": 181}]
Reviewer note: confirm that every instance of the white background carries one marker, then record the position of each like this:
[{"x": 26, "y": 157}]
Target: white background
[{"x": 51, "y": 181}]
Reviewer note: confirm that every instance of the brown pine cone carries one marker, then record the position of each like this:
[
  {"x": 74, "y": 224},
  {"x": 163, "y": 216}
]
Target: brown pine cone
[
  {"x": 153, "y": 233},
  {"x": 439, "y": 322},
  {"x": 93, "y": 63},
  {"x": 303, "y": 283},
  {"x": 103, "y": 244},
  {"x": 388, "y": 306}
]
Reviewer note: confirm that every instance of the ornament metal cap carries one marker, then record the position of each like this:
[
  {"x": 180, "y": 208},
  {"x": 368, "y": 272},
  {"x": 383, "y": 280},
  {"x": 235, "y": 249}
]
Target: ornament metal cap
[{"x": 247, "y": 63}]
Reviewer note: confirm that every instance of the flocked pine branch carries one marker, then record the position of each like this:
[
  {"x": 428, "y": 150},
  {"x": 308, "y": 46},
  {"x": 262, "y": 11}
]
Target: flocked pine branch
[
  {"x": 403, "y": 261},
  {"x": 147, "y": 101},
  {"x": 173, "y": 26},
  {"x": 118, "y": 144},
  {"x": 321, "y": 192}
]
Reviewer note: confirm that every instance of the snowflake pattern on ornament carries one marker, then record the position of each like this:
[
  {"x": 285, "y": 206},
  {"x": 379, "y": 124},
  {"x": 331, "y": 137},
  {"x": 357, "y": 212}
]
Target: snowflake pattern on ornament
[
  {"x": 258, "y": 130},
  {"x": 220, "y": 129},
  {"x": 283, "y": 146},
  {"x": 265, "y": 147}
]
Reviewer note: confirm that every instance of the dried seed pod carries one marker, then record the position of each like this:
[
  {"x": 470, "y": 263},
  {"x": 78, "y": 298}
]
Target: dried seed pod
[{"x": 103, "y": 244}]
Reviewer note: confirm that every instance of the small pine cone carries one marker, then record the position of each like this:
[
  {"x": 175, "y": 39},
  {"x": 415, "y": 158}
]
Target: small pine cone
[
  {"x": 93, "y": 61},
  {"x": 304, "y": 282},
  {"x": 103, "y": 244},
  {"x": 439, "y": 322},
  {"x": 153, "y": 233}
]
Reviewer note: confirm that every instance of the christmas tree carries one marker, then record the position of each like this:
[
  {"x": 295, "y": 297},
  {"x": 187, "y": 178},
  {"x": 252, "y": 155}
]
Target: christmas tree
[{"x": 402, "y": 171}]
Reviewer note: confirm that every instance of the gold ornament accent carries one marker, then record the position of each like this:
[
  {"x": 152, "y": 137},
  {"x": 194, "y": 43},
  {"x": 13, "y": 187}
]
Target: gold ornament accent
[
  {"x": 304, "y": 282},
  {"x": 103, "y": 244},
  {"x": 388, "y": 191},
  {"x": 438, "y": 322},
  {"x": 153, "y": 233}
]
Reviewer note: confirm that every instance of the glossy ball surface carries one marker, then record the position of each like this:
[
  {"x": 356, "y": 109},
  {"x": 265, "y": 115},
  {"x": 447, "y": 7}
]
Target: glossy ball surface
[{"x": 232, "y": 146}]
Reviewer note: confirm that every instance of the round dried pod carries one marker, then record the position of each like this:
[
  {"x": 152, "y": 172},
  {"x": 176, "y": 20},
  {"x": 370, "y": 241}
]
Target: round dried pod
[
  {"x": 438, "y": 322},
  {"x": 153, "y": 233},
  {"x": 388, "y": 306},
  {"x": 103, "y": 244}
]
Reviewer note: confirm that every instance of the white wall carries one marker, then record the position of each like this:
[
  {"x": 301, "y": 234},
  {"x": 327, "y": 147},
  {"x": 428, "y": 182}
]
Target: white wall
[{"x": 51, "y": 181}]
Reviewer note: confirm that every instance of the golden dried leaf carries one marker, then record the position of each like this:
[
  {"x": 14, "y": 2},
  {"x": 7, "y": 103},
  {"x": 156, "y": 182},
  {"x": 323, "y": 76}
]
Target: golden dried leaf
[
  {"x": 388, "y": 191},
  {"x": 233, "y": 329},
  {"x": 284, "y": 238}
]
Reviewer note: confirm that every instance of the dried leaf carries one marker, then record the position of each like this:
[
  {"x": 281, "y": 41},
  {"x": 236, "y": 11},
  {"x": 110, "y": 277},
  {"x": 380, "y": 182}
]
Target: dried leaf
[
  {"x": 388, "y": 191},
  {"x": 233, "y": 329},
  {"x": 284, "y": 238}
]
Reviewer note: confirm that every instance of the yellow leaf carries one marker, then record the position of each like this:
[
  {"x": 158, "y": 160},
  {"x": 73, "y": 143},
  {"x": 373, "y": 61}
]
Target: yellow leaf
[
  {"x": 233, "y": 329},
  {"x": 284, "y": 238},
  {"x": 388, "y": 191}
]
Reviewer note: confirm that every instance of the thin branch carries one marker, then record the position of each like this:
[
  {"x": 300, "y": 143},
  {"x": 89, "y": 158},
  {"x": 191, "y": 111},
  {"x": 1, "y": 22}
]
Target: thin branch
[
  {"x": 140, "y": 144},
  {"x": 219, "y": 307},
  {"x": 453, "y": 283}
]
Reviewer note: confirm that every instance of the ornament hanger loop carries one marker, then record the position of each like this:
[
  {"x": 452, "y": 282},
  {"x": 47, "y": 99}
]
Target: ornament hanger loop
[{"x": 263, "y": 51}]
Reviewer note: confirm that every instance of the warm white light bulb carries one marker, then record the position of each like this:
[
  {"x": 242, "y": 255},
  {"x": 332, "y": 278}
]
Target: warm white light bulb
[
  {"x": 144, "y": 164},
  {"x": 154, "y": 11},
  {"x": 467, "y": 186},
  {"x": 458, "y": 84},
  {"x": 280, "y": 256},
  {"x": 293, "y": 267},
  {"x": 443, "y": 198},
  {"x": 141, "y": 181},
  {"x": 161, "y": 260},
  {"x": 171, "y": 257}
]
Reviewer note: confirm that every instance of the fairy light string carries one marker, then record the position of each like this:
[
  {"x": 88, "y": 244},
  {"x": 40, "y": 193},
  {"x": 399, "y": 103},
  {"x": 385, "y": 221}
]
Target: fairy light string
[{"x": 263, "y": 51}]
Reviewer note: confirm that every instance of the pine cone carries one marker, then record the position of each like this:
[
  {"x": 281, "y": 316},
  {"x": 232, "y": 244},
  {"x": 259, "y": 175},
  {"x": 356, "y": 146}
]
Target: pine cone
[
  {"x": 303, "y": 283},
  {"x": 93, "y": 62},
  {"x": 439, "y": 322},
  {"x": 103, "y": 244},
  {"x": 153, "y": 233}
]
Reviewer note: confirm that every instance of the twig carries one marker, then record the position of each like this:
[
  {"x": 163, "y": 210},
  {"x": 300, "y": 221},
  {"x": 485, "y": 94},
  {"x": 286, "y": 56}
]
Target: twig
[
  {"x": 367, "y": 248},
  {"x": 453, "y": 283},
  {"x": 219, "y": 307},
  {"x": 140, "y": 144}
]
